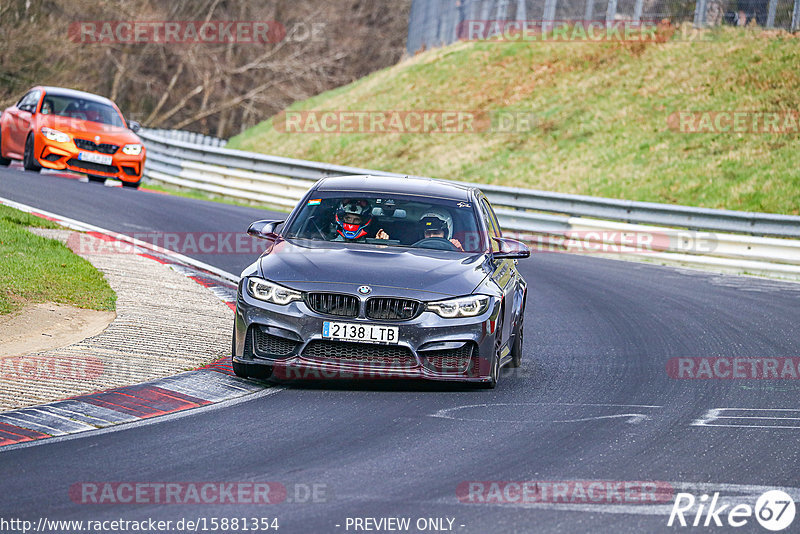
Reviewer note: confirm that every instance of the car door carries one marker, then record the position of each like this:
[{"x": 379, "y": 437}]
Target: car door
[
  {"x": 20, "y": 123},
  {"x": 505, "y": 271}
]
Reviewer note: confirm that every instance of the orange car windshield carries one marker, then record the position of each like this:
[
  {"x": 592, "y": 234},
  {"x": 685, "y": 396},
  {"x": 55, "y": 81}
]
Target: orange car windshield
[{"x": 81, "y": 109}]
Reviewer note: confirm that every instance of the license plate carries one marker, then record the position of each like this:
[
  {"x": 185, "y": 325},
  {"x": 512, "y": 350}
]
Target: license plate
[
  {"x": 94, "y": 158},
  {"x": 365, "y": 333}
]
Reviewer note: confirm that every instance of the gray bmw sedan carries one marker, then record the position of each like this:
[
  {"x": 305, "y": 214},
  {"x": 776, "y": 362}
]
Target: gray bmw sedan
[{"x": 372, "y": 277}]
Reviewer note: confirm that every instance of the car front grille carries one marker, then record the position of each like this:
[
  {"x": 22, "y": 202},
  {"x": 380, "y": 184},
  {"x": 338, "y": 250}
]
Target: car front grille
[
  {"x": 333, "y": 304},
  {"x": 269, "y": 345},
  {"x": 449, "y": 361},
  {"x": 395, "y": 356},
  {"x": 105, "y": 148},
  {"x": 392, "y": 309},
  {"x": 91, "y": 166}
]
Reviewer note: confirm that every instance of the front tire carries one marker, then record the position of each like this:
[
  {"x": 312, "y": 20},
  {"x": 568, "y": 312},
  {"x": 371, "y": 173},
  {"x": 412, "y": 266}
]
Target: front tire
[
  {"x": 97, "y": 179},
  {"x": 132, "y": 185},
  {"x": 28, "y": 159}
]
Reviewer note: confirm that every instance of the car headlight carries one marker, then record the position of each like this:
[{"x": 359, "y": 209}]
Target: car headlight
[
  {"x": 55, "y": 135},
  {"x": 132, "y": 150},
  {"x": 267, "y": 291},
  {"x": 470, "y": 306}
]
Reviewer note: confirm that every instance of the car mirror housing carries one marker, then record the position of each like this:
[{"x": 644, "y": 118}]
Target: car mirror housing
[
  {"x": 134, "y": 126},
  {"x": 264, "y": 229},
  {"x": 511, "y": 249}
]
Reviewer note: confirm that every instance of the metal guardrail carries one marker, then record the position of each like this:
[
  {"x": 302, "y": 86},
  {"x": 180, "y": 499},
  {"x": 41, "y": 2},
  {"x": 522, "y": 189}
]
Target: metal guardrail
[
  {"x": 282, "y": 181},
  {"x": 189, "y": 137},
  {"x": 683, "y": 235}
]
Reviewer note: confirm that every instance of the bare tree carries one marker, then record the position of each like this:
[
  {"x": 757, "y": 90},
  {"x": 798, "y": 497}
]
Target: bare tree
[{"x": 215, "y": 88}]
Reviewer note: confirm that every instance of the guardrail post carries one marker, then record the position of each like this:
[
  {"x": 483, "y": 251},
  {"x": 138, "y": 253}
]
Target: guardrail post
[
  {"x": 549, "y": 14},
  {"x": 455, "y": 20},
  {"x": 637, "y": 11},
  {"x": 796, "y": 16},
  {"x": 773, "y": 5},
  {"x": 611, "y": 12},
  {"x": 700, "y": 14},
  {"x": 429, "y": 26},
  {"x": 502, "y": 10},
  {"x": 485, "y": 10}
]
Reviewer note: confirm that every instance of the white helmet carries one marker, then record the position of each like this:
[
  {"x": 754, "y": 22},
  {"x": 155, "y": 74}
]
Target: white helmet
[{"x": 442, "y": 215}]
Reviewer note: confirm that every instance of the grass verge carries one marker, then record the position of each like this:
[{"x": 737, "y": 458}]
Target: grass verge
[{"x": 37, "y": 269}]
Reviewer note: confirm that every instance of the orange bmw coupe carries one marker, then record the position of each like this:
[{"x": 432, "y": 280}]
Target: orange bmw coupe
[{"x": 58, "y": 128}]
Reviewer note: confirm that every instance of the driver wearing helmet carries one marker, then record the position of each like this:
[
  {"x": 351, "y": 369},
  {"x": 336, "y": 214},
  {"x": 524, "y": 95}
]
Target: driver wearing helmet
[
  {"x": 439, "y": 224},
  {"x": 352, "y": 219}
]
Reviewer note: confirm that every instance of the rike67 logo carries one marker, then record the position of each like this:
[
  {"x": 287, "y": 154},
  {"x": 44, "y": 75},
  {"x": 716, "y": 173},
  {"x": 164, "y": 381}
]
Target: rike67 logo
[{"x": 774, "y": 510}]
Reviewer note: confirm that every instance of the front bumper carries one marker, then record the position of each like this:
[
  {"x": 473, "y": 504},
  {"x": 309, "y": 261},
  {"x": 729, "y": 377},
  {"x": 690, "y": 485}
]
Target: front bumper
[
  {"x": 61, "y": 156},
  {"x": 289, "y": 340}
]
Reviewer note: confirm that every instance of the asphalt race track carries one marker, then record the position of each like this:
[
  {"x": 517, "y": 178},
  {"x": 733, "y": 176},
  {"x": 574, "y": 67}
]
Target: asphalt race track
[{"x": 593, "y": 401}]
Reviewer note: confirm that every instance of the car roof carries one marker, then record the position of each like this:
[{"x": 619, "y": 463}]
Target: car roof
[
  {"x": 62, "y": 91},
  {"x": 402, "y": 186}
]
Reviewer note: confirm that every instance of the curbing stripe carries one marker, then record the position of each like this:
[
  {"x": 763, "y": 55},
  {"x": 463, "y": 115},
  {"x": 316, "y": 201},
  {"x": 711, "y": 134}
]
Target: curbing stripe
[
  {"x": 23, "y": 434},
  {"x": 92, "y": 414},
  {"x": 39, "y": 423},
  {"x": 54, "y": 419},
  {"x": 147, "y": 401},
  {"x": 210, "y": 385}
]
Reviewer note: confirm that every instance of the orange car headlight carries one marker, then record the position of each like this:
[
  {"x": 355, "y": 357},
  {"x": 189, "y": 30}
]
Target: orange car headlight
[
  {"x": 55, "y": 135},
  {"x": 132, "y": 150}
]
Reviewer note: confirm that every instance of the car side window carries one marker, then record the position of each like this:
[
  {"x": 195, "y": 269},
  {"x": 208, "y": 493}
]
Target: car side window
[
  {"x": 491, "y": 224},
  {"x": 495, "y": 222},
  {"x": 29, "y": 101}
]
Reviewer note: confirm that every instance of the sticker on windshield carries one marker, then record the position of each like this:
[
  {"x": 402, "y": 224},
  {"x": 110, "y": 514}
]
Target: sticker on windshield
[
  {"x": 464, "y": 205},
  {"x": 314, "y": 202}
]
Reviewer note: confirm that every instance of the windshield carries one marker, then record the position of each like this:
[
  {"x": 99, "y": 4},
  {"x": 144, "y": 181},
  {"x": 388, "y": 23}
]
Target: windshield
[
  {"x": 82, "y": 109},
  {"x": 396, "y": 220}
]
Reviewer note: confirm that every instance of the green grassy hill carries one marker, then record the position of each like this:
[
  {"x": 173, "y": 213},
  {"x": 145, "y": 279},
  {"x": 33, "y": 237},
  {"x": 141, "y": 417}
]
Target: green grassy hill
[{"x": 602, "y": 119}]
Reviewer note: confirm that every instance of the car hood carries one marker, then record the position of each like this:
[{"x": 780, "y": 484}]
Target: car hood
[
  {"x": 390, "y": 271},
  {"x": 88, "y": 130}
]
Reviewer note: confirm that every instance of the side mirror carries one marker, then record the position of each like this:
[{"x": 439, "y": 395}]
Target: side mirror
[
  {"x": 264, "y": 229},
  {"x": 134, "y": 126},
  {"x": 511, "y": 249}
]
